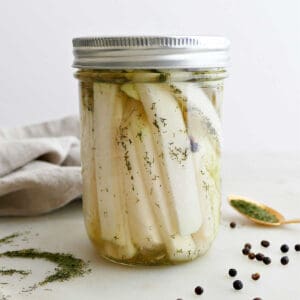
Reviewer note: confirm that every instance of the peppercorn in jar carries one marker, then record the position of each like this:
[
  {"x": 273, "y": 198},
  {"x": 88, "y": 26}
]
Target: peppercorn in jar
[{"x": 150, "y": 144}]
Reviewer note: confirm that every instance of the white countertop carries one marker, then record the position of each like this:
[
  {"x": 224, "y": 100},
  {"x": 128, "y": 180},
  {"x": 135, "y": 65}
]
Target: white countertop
[{"x": 273, "y": 179}]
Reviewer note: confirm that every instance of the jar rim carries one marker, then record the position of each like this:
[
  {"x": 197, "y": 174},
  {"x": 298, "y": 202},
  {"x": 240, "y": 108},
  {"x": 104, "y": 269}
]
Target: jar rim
[{"x": 148, "y": 52}]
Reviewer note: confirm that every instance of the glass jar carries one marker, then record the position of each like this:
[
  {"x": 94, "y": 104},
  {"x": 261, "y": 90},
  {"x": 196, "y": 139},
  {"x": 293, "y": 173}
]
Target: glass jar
[{"x": 150, "y": 145}]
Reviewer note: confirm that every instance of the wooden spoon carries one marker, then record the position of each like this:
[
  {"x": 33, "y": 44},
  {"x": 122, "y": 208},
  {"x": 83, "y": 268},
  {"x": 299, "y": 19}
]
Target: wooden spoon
[{"x": 280, "y": 218}]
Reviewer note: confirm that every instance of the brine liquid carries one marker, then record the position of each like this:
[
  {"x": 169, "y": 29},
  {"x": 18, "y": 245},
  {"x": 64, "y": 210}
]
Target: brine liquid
[{"x": 151, "y": 164}]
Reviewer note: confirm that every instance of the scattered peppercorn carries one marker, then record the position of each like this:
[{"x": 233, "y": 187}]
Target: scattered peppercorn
[
  {"x": 284, "y": 248},
  {"x": 248, "y": 246},
  {"x": 265, "y": 243},
  {"x": 297, "y": 247},
  {"x": 259, "y": 256},
  {"x": 251, "y": 255},
  {"x": 267, "y": 260},
  {"x": 246, "y": 251},
  {"x": 237, "y": 285},
  {"x": 284, "y": 260},
  {"x": 232, "y": 272},
  {"x": 255, "y": 276},
  {"x": 232, "y": 224},
  {"x": 199, "y": 290}
]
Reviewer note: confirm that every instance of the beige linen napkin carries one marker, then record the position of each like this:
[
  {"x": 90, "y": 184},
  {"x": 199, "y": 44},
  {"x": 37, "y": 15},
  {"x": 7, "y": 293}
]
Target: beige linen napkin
[{"x": 39, "y": 167}]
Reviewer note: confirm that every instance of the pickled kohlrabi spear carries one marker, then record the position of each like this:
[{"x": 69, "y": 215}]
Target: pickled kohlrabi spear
[
  {"x": 143, "y": 226},
  {"x": 108, "y": 111},
  {"x": 90, "y": 205},
  {"x": 196, "y": 99},
  {"x": 203, "y": 128},
  {"x": 201, "y": 111},
  {"x": 128, "y": 250},
  {"x": 215, "y": 94},
  {"x": 210, "y": 197},
  {"x": 206, "y": 186},
  {"x": 178, "y": 247},
  {"x": 173, "y": 146}
]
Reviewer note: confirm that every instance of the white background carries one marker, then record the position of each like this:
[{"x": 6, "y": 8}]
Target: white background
[{"x": 262, "y": 95}]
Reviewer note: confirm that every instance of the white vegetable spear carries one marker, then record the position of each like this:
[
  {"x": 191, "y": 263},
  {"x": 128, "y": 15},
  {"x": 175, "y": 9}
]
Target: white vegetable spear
[
  {"x": 90, "y": 204},
  {"x": 178, "y": 247},
  {"x": 197, "y": 100},
  {"x": 143, "y": 226},
  {"x": 108, "y": 112},
  {"x": 203, "y": 121},
  {"x": 173, "y": 145}
]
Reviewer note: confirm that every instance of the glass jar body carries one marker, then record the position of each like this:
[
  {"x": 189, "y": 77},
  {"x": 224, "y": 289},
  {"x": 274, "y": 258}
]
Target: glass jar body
[{"x": 150, "y": 148}]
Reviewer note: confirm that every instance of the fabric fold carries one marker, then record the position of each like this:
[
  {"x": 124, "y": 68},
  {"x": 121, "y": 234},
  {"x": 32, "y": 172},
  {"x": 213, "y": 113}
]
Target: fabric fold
[{"x": 39, "y": 167}]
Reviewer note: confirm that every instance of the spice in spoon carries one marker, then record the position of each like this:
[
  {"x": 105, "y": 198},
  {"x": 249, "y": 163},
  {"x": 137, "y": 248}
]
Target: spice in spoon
[{"x": 253, "y": 211}]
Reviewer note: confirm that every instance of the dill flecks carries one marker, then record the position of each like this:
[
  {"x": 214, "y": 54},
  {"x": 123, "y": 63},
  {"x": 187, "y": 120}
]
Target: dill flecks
[
  {"x": 155, "y": 123},
  {"x": 163, "y": 77},
  {"x": 253, "y": 211},
  {"x": 10, "y": 272},
  {"x": 68, "y": 266},
  {"x": 177, "y": 153},
  {"x": 8, "y": 239}
]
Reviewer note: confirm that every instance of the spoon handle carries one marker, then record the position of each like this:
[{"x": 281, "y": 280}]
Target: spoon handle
[{"x": 291, "y": 221}]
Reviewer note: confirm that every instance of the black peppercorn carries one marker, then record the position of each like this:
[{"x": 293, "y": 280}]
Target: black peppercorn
[
  {"x": 284, "y": 260},
  {"x": 251, "y": 255},
  {"x": 259, "y": 256},
  {"x": 246, "y": 251},
  {"x": 257, "y": 298},
  {"x": 248, "y": 246},
  {"x": 232, "y": 272},
  {"x": 284, "y": 248},
  {"x": 232, "y": 224},
  {"x": 267, "y": 260},
  {"x": 297, "y": 247},
  {"x": 255, "y": 276},
  {"x": 237, "y": 285},
  {"x": 199, "y": 290},
  {"x": 265, "y": 243}
]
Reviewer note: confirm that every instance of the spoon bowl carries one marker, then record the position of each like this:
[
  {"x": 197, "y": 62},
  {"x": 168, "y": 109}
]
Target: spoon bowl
[{"x": 280, "y": 218}]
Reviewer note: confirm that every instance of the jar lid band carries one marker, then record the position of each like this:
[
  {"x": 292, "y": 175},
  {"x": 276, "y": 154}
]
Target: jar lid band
[{"x": 150, "y": 52}]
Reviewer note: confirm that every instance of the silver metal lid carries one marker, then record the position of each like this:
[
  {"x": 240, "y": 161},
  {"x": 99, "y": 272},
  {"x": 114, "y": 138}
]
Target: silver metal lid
[{"x": 149, "y": 52}]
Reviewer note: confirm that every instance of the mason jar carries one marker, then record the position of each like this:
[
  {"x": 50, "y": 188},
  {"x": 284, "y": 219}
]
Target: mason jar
[{"x": 150, "y": 144}]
